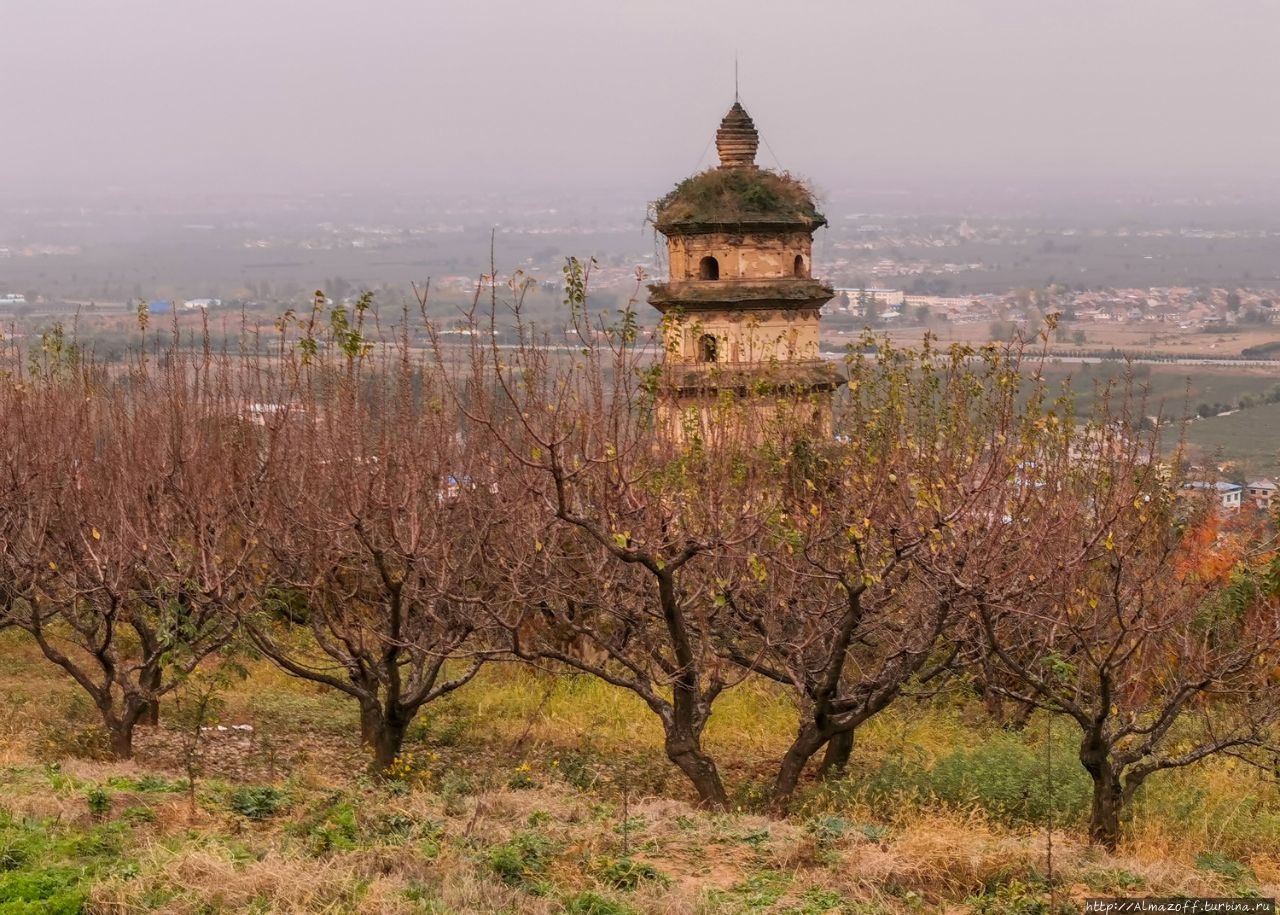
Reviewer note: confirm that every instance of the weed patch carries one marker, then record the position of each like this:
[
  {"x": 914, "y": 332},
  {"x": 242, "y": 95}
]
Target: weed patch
[
  {"x": 46, "y": 869},
  {"x": 590, "y": 903},
  {"x": 1228, "y": 867},
  {"x": 147, "y": 784},
  {"x": 257, "y": 802},
  {"x": 523, "y": 861},
  {"x": 1014, "y": 898},
  {"x": 626, "y": 873},
  {"x": 1002, "y": 776}
]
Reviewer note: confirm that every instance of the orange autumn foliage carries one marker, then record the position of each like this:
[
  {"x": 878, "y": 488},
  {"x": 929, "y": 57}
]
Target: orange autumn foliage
[{"x": 1211, "y": 551}]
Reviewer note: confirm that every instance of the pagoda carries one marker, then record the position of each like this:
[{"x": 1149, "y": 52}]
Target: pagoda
[{"x": 740, "y": 306}]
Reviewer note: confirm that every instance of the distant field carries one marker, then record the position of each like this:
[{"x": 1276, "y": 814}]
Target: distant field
[
  {"x": 1094, "y": 262},
  {"x": 1154, "y": 338},
  {"x": 1171, "y": 390},
  {"x": 1251, "y": 437}
]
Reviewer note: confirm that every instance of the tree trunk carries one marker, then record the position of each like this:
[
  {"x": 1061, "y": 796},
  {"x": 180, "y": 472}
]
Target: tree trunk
[
  {"x": 1104, "y": 812},
  {"x": 701, "y": 771},
  {"x": 993, "y": 702},
  {"x": 121, "y": 736},
  {"x": 835, "y": 762},
  {"x": 690, "y": 708},
  {"x": 386, "y": 745},
  {"x": 119, "y": 719},
  {"x": 382, "y": 730},
  {"x": 120, "y": 728},
  {"x": 808, "y": 742},
  {"x": 152, "y": 682},
  {"x": 370, "y": 722},
  {"x": 1021, "y": 715}
]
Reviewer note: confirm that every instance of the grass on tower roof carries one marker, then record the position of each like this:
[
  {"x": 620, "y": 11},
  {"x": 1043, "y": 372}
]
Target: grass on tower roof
[{"x": 737, "y": 196}]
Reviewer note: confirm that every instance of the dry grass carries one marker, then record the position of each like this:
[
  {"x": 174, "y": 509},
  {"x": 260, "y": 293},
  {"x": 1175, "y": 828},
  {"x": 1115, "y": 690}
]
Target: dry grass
[{"x": 186, "y": 880}]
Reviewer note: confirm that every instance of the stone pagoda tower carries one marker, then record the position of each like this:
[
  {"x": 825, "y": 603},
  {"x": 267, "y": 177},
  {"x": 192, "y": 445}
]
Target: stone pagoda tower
[{"x": 740, "y": 308}]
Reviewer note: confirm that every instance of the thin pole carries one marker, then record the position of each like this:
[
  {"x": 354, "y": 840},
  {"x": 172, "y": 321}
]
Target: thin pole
[{"x": 1048, "y": 763}]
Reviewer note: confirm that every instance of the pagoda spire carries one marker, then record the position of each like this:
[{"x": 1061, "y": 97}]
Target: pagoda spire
[{"x": 737, "y": 139}]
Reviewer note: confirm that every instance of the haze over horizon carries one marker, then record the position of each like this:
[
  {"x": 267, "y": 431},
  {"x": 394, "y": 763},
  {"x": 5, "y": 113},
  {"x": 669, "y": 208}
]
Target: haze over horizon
[{"x": 1055, "y": 98}]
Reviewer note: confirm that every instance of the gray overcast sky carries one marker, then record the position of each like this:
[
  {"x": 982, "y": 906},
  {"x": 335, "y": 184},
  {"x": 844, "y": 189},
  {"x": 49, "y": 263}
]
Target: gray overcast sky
[{"x": 437, "y": 95}]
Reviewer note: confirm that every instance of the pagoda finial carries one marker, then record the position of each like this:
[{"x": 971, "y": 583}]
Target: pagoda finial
[{"x": 737, "y": 140}]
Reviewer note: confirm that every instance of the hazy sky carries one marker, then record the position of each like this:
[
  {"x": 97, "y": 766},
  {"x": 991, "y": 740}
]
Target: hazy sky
[{"x": 436, "y": 95}]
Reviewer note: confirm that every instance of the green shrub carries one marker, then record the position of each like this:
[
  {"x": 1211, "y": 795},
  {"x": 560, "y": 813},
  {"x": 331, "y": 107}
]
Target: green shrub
[
  {"x": 1227, "y": 867},
  {"x": 630, "y": 826},
  {"x": 431, "y": 835},
  {"x": 99, "y": 803},
  {"x": 13, "y": 855},
  {"x": 449, "y": 725},
  {"x": 395, "y": 826},
  {"x": 99, "y": 842},
  {"x": 521, "y": 780},
  {"x": 817, "y": 901},
  {"x": 336, "y": 831},
  {"x": 756, "y": 838},
  {"x": 589, "y": 903},
  {"x": 827, "y": 829},
  {"x": 1012, "y": 898},
  {"x": 146, "y": 784},
  {"x": 752, "y": 796},
  {"x": 627, "y": 873},
  {"x": 577, "y": 769},
  {"x": 47, "y": 892},
  {"x": 456, "y": 784},
  {"x": 138, "y": 814},
  {"x": 1011, "y": 781},
  {"x": 888, "y": 783},
  {"x": 522, "y": 860},
  {"x": 1001, "y": 776},
  {"x": 763, "y": 889},
  {"x": 257, "y": 802},
  {"x": 44, "y": 865}
]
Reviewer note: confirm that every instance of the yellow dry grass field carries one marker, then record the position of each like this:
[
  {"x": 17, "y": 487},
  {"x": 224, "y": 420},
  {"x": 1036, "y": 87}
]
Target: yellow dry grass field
[{"x": 541, "y": 793}]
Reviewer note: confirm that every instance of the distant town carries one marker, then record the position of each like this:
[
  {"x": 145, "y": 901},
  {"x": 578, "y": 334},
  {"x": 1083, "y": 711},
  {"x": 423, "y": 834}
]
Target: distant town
[{"x": 1179, "y": 261}]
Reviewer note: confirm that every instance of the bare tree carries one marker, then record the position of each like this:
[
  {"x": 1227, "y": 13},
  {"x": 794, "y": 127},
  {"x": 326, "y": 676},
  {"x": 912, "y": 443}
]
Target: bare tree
[
  {"x": 1112, "y": 621},
  {"x": 376, "y": 512},
  {"x": 848, "y": 604},
  {"x": 610, "y": 564},
  {"x": 122, "y": 546},
  {"x": 675, "y": 569}
]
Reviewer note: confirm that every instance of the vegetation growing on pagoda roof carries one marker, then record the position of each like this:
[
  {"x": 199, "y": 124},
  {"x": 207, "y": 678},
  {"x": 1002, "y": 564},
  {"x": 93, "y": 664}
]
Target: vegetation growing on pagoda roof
[{"x": 731, "y": 197}]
